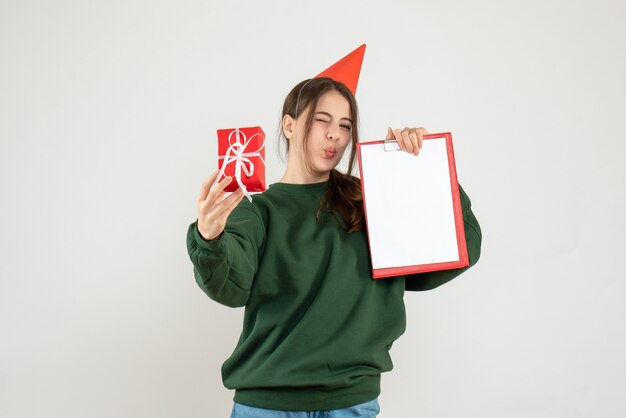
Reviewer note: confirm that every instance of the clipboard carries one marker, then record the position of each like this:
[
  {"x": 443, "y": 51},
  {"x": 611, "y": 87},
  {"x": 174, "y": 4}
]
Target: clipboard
[{"x": 412, "y": 206}]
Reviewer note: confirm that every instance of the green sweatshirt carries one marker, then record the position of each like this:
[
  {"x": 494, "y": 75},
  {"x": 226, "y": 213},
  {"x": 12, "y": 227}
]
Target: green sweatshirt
[{"x": 317, "y": 328}]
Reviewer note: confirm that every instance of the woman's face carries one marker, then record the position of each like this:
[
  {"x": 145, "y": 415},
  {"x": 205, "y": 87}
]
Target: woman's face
[{"x": 329, "y": 137}]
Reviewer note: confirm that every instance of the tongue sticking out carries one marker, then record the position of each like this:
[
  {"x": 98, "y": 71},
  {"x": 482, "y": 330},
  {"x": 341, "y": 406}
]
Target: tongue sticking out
[{"x": 329, "y": 153}]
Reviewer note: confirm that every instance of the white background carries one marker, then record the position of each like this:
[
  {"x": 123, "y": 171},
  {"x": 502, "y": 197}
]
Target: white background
[{"x": 108, "y": 112}]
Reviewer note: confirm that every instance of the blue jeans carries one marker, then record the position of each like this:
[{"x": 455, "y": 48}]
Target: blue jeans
[{"x": 365, "y": 410}]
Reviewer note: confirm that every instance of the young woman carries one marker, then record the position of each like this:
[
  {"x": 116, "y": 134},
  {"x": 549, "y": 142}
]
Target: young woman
[{"x": 317, "y": 328}]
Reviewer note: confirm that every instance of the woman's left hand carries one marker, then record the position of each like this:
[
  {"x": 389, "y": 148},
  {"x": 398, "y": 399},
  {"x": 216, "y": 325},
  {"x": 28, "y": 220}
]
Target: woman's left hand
[{"x": 409, "y": 139}]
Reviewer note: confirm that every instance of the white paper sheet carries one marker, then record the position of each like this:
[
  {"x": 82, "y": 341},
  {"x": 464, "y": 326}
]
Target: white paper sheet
[{"x": 409, "y": 206}]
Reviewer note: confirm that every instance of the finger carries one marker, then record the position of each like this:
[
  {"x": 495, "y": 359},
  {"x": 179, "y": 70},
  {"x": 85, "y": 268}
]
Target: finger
[
  {"x": 407, "y": 140},
  {"x": 413, "y": 135},
  {"x": 206, "y": 186},
  {"x": 389, "y": 134},
  {"x": 217, "y": 192},
  {"x": 397, "y": 133},
  {"x": 226, "y": 206},
  {"x": 421, "y": 132},
  {"x": 237, "y": 198}
]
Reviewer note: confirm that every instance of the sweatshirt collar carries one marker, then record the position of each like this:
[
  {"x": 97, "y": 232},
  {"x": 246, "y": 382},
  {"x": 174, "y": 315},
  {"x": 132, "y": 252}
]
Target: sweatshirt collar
[{"x": 311, "y": 189}]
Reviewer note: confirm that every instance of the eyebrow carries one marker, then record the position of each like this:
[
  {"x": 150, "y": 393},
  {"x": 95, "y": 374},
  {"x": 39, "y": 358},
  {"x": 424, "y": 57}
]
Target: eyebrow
[{"x": 330, "y": 116}]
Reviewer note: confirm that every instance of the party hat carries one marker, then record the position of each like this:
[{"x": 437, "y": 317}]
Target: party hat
[{"x": 347, "y": 69}]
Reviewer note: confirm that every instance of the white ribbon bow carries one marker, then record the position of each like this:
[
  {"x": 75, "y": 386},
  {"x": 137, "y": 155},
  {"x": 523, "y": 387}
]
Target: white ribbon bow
[{"x": 235, "y": 153}]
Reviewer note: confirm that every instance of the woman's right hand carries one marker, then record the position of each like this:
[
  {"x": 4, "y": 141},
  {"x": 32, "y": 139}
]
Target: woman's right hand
[{"x": 213, "y": 209}]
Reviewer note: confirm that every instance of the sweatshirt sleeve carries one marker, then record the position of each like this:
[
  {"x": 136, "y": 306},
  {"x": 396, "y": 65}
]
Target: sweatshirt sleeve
[
  {"x": 473, "y": 237},
  {"x": 225, "y": 267}
]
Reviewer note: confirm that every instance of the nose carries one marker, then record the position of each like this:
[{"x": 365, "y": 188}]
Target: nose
[{"x": 333, "y": 133}]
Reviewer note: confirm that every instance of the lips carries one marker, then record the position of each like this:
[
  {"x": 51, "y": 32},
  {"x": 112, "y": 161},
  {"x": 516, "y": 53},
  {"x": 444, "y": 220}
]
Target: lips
[{"x": 330, "y": 152}]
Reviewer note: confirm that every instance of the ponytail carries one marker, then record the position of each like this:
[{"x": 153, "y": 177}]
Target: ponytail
[{"x": 343, "y": 198}]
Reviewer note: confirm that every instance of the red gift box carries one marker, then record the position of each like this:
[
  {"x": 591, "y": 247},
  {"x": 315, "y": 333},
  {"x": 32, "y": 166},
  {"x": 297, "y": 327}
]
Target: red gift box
[{"x": 242, "y": 157}]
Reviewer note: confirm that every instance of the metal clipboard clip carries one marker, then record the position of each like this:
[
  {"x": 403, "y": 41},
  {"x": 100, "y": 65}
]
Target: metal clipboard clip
[{"x": 391, "y": 145}]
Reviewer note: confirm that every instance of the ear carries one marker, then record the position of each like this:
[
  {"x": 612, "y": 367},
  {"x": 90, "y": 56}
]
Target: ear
[{"x": 289, "y": 126}]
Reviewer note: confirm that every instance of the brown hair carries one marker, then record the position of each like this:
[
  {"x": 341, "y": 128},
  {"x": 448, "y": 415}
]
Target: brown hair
[{"x": 343, "y": 197}]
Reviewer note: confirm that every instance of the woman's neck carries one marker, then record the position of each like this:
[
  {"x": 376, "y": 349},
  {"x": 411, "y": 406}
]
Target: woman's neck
[{"x": 297, "y": 172}]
